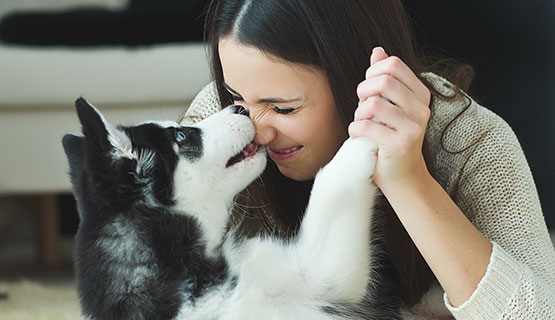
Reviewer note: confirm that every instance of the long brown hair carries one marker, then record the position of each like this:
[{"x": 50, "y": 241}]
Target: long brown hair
[{"x": 336, "y": 37}]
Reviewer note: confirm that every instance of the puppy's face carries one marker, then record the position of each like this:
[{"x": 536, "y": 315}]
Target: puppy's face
[
  {"x": 220, "y": 159},
  {"x": 165, "y": 163}
]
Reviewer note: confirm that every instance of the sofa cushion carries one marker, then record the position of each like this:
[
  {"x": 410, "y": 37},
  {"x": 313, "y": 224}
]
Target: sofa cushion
[{"x": 34, "y": 77}]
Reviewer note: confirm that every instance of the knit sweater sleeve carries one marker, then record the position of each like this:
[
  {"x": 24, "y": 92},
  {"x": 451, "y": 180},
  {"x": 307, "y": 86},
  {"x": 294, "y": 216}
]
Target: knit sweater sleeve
[
  {"x": 495, "y": 189},
  {"x": 205, "y": 103}
]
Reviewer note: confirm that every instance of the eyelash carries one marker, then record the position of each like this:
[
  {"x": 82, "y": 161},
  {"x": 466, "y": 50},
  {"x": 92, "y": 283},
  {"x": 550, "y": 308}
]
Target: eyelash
[
  {"x": 276, "y": 109},
  {"x": 283, "y": 111}
]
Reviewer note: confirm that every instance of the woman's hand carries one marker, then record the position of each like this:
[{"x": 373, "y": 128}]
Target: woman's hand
[{"x": 393, "y": 112}]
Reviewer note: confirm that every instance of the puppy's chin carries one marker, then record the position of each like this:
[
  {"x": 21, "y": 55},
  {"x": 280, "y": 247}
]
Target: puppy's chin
[{"x": 244, "y": 172}]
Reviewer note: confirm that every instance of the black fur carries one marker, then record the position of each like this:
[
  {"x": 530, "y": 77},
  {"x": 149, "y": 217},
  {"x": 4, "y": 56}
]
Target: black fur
[{"x": 159, "y": 253}]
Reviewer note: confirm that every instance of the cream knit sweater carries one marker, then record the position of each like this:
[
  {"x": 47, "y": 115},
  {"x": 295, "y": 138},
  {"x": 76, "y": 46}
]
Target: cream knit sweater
[{"x": 479, "y": 162}]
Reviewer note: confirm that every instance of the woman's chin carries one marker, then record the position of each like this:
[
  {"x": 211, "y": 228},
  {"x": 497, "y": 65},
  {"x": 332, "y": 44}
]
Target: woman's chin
[{"x": 295, "y": 174}]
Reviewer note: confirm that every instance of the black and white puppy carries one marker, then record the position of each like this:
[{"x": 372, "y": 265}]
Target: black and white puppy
[{"x": 154, "y": 202}]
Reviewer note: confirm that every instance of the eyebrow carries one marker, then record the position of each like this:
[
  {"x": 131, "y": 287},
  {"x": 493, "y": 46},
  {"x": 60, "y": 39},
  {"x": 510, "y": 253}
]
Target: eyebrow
[{"x": 263, "y": 100}]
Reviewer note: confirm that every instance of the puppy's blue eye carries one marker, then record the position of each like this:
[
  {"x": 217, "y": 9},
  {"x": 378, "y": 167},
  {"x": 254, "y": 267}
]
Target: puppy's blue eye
[{"x": 180, "y": 136}]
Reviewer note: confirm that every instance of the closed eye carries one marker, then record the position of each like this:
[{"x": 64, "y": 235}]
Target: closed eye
[
  {"x": 283, "y": 111},
  {"x": 278, "y": 110}
]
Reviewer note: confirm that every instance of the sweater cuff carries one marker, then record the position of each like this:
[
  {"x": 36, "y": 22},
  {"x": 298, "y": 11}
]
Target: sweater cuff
[{"x": 494, "y": 292}]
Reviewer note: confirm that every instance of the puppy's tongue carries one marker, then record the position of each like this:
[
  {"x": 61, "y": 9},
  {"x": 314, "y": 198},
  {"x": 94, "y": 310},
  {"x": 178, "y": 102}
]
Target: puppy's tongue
[
  {"x": 250, "y": 148},
  {"x": 248, "y": 151}
]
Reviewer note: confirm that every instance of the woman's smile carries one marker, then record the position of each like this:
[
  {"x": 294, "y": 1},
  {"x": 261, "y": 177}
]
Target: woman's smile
[{"x": 279, "y": 155}]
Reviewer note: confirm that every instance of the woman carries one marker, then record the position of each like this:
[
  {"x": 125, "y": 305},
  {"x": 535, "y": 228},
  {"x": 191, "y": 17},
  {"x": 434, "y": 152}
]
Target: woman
[{"x": 463, "y": 210}]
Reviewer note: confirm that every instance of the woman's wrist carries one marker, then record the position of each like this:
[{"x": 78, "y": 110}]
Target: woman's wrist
[{"x": 416, "y": 178}]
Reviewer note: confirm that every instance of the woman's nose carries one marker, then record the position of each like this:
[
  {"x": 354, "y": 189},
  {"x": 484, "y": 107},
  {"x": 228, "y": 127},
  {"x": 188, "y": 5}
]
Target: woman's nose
[
  {"x": 265, "y": 129},
  {"x": 264, "y": 136}
]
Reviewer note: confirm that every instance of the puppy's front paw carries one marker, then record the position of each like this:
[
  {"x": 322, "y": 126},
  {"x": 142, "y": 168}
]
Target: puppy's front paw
[
  {"x": 354, "y": 161},
  {"x": 357, "y": 156}
]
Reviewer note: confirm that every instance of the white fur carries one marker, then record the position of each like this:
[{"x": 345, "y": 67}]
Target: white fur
[
  {"x": 208, "y": 306},
  {"x": 327, "y": 262},
  {"x": 206, "y": 188}
]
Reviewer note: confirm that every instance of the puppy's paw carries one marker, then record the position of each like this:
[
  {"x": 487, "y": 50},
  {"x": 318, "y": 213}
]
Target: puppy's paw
[
  {"x": 357, "y": 157},
  {"x": 354, "y": 161}
]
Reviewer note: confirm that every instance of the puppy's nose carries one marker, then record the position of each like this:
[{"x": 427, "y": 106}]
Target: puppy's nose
[{"x": 238, "y": 109}]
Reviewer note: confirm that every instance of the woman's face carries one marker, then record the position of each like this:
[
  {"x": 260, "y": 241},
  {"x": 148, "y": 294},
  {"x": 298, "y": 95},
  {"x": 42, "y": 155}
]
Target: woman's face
[{"x": 291, "y": 106}]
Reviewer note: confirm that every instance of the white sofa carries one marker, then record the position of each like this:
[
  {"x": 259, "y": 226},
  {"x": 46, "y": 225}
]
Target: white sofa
[{"x": 39, "y": 86}]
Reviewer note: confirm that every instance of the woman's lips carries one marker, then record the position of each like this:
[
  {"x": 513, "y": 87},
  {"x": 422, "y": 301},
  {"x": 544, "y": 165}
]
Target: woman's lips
[{"x": 284, "y": 154}]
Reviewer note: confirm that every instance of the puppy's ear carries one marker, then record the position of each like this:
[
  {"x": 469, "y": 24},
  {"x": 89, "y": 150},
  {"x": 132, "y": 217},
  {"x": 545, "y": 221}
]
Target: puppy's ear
[
  {"x": 93, "y": 124},
  {"x": 103, "y": 134},
  {"x": 73, "y": 147}
]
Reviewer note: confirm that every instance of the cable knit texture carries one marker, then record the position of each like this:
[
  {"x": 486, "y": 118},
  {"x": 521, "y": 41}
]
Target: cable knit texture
[{"x": 478, "y": 160}]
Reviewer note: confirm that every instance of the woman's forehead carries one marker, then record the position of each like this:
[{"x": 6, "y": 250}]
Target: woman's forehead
[{"x": 250, "y": 71}]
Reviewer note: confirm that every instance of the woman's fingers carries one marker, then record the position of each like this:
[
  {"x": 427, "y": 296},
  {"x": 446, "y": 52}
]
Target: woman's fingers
[
  {"x": 378, "y": 54},
  {"x": 375, "y": 131},
  {"x": 381, "y": 110},
  {"x": 396, "y": 93},
  {"x": 386, "y": 86},
  {"x": 392, "y": 79},
  {"x": 397, "y": 69},
  {"x": 393, "y": 112}
]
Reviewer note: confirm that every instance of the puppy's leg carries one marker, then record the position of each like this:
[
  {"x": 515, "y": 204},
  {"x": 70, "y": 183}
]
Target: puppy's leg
[
  {"x": 333, "y": 248},
  {"x": 329, "y": 259}
]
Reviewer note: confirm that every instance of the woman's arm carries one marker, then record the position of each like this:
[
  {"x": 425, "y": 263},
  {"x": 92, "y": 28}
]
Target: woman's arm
[
  {"x": 493, "y": 186},
  {"x": 394, "y": 113},
  {"x": 497, "y": 196},
  {"x": 457, "y": 253}
]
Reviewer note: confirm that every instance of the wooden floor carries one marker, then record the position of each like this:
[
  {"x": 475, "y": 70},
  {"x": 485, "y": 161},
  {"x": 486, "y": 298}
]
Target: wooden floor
[{"x": 32, "y": 244}]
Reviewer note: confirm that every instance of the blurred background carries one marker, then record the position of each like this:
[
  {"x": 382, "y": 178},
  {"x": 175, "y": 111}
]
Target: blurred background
[
  {"x": 140, "y": 59},
  {"x": 133, "y": 59}
]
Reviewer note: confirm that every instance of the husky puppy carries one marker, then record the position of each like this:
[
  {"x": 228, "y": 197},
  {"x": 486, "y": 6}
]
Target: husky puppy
[{"x": 154, "y": 201}]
